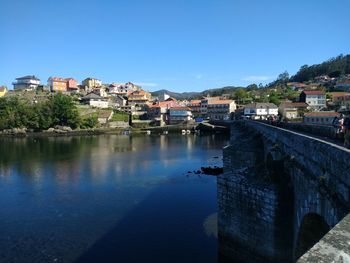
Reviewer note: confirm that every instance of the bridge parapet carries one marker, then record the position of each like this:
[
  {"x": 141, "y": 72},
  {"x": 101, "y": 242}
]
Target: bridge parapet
[{"x": 323, "y": 160}]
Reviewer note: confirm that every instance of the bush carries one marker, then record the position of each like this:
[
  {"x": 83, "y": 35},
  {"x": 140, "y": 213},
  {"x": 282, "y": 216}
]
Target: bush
[{"x": 89, "y": 122}]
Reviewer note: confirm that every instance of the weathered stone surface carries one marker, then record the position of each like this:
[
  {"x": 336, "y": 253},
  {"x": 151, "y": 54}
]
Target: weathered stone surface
[{"x": 333, "y": 247}]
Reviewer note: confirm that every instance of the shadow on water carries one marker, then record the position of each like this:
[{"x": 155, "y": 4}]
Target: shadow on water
[{"x": 151, "y": 234}]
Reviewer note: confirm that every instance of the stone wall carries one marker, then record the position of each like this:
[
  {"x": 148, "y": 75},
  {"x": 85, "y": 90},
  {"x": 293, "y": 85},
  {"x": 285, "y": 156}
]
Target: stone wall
[
  {"x": 256, "y": 200},
  {"x": 249, "y": 206}
]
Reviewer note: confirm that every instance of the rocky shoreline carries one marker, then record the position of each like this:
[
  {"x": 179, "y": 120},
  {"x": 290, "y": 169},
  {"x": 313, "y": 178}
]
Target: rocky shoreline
[{"x": 58, "y": 131}]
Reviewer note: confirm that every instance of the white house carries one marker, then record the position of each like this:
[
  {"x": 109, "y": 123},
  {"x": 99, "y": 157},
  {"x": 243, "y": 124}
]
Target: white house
[
  {"x": 259, "y": 110},
  {"x": 26, "y": 83},
  {"x": 95, "y": 100},
  {"x": 316, "y": 99}
]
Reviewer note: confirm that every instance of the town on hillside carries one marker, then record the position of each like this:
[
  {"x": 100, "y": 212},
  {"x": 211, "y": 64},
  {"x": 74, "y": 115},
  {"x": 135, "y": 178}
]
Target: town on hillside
[{"x": 121, "y": 104}]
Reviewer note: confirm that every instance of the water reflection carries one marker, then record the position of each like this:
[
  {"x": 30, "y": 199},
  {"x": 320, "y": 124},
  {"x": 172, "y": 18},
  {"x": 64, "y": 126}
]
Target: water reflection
[{"x": 68, "y": 198}]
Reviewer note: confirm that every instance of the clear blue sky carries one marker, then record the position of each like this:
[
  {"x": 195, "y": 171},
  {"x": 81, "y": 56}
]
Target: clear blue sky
[{"x": 180, "y": 45}]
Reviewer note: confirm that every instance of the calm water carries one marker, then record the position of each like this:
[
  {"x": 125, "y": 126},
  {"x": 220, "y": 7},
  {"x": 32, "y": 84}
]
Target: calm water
[{"x": 108, "y": 199}]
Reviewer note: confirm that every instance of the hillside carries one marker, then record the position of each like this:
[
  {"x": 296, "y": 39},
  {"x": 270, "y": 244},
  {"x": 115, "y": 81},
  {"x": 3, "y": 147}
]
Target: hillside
[{"x": 333, "y": 67}]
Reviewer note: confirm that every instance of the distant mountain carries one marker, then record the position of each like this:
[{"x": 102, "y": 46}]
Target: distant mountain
[
  {"x": 176, "y": 95},
  {"x": 229, "y": 90}
]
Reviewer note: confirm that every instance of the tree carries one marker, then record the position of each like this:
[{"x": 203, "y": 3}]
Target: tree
[
  {"x": 64, "y": 111},
  {"x": 240, "y": 95},
  {"x": 283, "y": 77}
]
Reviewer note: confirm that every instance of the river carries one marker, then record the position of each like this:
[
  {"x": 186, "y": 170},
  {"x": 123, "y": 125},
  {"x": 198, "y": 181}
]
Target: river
[{"x": 108, "y": 198}]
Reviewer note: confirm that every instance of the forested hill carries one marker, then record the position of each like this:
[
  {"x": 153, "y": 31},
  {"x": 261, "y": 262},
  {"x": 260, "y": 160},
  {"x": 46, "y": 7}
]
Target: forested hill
[{"x": 333, "y": 67}]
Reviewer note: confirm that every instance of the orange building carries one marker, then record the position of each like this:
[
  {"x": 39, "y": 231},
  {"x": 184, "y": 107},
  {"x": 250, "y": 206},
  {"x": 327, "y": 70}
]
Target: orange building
[
  {"x": 57, "y": 84},
  {"x": 72, "y": 84}
]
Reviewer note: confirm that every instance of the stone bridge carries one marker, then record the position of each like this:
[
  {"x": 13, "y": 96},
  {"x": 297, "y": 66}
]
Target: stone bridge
[{"x": 280, "y": 193}]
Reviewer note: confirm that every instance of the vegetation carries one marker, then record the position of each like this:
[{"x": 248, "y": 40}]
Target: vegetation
[
  {"x": 333, "y": 67},
  {"x": 89, "y": 122},
  {"x": 120, "y": 116},
  {"x": 57, "y": 110}
]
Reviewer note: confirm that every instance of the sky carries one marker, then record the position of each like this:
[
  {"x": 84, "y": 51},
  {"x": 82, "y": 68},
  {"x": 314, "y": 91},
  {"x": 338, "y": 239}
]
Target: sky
[{"x": 179, "y": 45}]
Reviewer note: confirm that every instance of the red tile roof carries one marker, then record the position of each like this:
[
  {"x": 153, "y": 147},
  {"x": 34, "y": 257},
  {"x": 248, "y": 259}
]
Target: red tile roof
[
  {"x": 339, "y": 94},
  {"x": 314, "y": 92},
  {"x": 294, "y": 104},
  {"x": 322, "y": 114}
]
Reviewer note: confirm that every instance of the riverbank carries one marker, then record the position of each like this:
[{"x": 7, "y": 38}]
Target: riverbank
[{"x": 66, "y": 131}]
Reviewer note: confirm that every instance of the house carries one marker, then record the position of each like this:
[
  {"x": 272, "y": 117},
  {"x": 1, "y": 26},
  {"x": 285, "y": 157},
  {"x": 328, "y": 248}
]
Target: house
[
  {"x": 322, "y": 79},
  {"x": 3, "y": 91},
  {"x": 343, "y": 85},
  {"x": 29, "y": 82},
  {"x": 104, "y": 116},
  {"x": 57, "y": 84},
  {"x": 259, "y": 110},
  {"x": 95, "y": 100},
  {"x": 297, "y": 86},
  {"x": 316, "y": 99},
  {"x": 292, "y": 110},
  {"x": 195, "y": 106},
  {"x": 159, "y": 111},
  {"x": 320, "y": 117},
  {"x": 220, "y": 109},
  {"x": 139, "y": 97},
  {"x": 341, "y": 99},
  {"x": 179, "y": 114},
  {"x": 92, "y": 83},
  {"x": 204, "y": 104},
  {"x": 337, "y": 96},
  {"x": 120, "y": 101},
  {"x": 101, "y": 91},
  {"x": 72, "y": 85},
  {"x": 122, "y": 89}
]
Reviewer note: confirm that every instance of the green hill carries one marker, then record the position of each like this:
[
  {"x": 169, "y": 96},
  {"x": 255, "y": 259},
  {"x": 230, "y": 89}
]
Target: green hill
[{"x": 333, "y": 67}]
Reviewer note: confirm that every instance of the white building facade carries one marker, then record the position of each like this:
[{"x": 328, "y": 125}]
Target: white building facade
[
  {"x": 26, "y": 83},
  {"x": 260, "y": 110}
]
